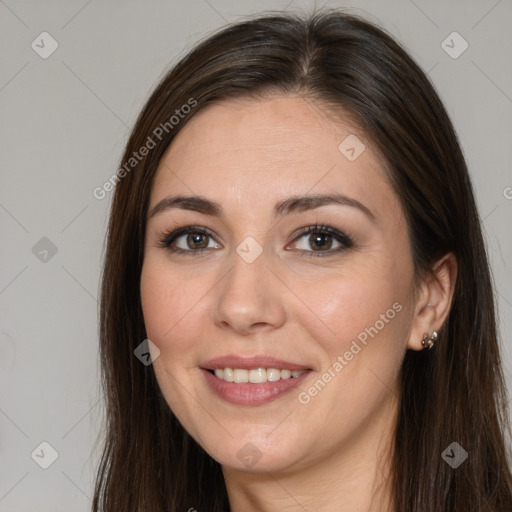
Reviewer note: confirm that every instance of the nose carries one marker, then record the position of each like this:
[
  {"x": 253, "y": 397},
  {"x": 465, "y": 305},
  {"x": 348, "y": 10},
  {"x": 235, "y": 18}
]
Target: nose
[{"x": 250, "y": 297}]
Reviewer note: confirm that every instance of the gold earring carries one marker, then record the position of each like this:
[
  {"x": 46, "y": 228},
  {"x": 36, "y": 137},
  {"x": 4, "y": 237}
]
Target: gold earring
[{"x": 428, "y": 341}]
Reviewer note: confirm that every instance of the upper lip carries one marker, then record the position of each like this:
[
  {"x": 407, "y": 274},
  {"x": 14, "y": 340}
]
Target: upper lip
[{"x": 248, "y": 363}]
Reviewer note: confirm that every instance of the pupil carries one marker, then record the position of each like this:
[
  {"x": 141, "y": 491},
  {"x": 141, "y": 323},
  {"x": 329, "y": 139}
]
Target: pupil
[
  {"x": 195, "y": 239},
  {"x": 317, "y": 240}
]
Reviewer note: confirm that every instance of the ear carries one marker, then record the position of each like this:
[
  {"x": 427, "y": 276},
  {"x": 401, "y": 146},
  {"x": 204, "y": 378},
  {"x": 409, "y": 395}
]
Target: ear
[{"x": 434, "y": 301}]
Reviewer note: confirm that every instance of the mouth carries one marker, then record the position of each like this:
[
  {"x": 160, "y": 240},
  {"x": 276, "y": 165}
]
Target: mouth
[{"x": 252, "y": 381}]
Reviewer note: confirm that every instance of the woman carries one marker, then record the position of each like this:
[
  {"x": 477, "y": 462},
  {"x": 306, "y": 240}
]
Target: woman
[{"x": 294, "y": 245}]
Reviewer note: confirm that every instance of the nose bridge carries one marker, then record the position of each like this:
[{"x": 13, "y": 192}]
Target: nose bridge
[{"x": 248, "y": 295}]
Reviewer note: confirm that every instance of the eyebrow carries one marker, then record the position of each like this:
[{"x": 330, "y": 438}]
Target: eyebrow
[{"x": 292, "y": 204}]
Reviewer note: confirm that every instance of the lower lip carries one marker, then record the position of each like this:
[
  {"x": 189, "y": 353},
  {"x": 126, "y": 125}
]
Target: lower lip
[{"x": 252, "y": 394}]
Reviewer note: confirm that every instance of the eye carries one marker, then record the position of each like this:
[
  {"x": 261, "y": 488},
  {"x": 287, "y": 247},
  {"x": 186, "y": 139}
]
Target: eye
[
  {"x": 195, "y": 240},
  {"x": 322, "y": 239},
  {"x": 189, "y": 239}
]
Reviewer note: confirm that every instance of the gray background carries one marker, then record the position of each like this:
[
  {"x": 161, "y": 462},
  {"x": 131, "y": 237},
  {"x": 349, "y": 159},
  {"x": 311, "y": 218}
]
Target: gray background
[{"x": 64, "y": 121}]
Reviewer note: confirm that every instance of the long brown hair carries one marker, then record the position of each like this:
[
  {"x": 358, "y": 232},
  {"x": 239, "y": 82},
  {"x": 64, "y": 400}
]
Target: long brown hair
[{"x": 453, "y": 393}]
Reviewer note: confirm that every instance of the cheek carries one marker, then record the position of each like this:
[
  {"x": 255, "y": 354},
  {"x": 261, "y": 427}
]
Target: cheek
[
  {"x": 366, "y": 318},
  {"x": 347, "y": 305},
  {"x": 170, "y": 319},
  {"x": 156, "y": 301},
  {"x": 168, "y": 304}
]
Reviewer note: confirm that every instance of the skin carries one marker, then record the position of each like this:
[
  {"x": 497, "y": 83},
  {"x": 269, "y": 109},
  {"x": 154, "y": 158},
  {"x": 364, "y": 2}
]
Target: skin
[{"x": 332, "y": 453}]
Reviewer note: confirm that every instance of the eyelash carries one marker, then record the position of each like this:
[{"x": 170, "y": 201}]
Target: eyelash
[{"x": 168, "y": 238}]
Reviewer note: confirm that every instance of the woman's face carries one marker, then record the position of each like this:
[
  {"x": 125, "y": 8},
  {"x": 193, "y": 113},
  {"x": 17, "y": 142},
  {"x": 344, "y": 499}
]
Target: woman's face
[{"x": 244, "y": 289}]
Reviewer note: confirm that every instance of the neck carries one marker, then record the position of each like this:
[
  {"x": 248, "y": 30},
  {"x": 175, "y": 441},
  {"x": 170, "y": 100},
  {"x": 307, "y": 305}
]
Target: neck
[{"x": 354, "y": 477}]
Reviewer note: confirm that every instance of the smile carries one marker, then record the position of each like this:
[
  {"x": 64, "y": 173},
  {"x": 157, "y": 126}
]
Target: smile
[
  {"x": 253, "y": 380},
  {"x": 255, "y": 375}
]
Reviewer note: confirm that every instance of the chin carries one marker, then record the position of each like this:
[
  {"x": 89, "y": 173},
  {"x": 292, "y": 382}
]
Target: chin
[{"x": 255, "y": 452}]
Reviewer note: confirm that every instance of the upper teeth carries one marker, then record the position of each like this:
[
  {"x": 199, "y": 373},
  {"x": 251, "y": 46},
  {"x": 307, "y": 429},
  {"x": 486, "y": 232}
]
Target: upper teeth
[{"x": 256, "y": 375}]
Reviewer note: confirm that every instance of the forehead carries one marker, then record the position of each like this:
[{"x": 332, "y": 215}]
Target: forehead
[{"x": 261, "y": 150}]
